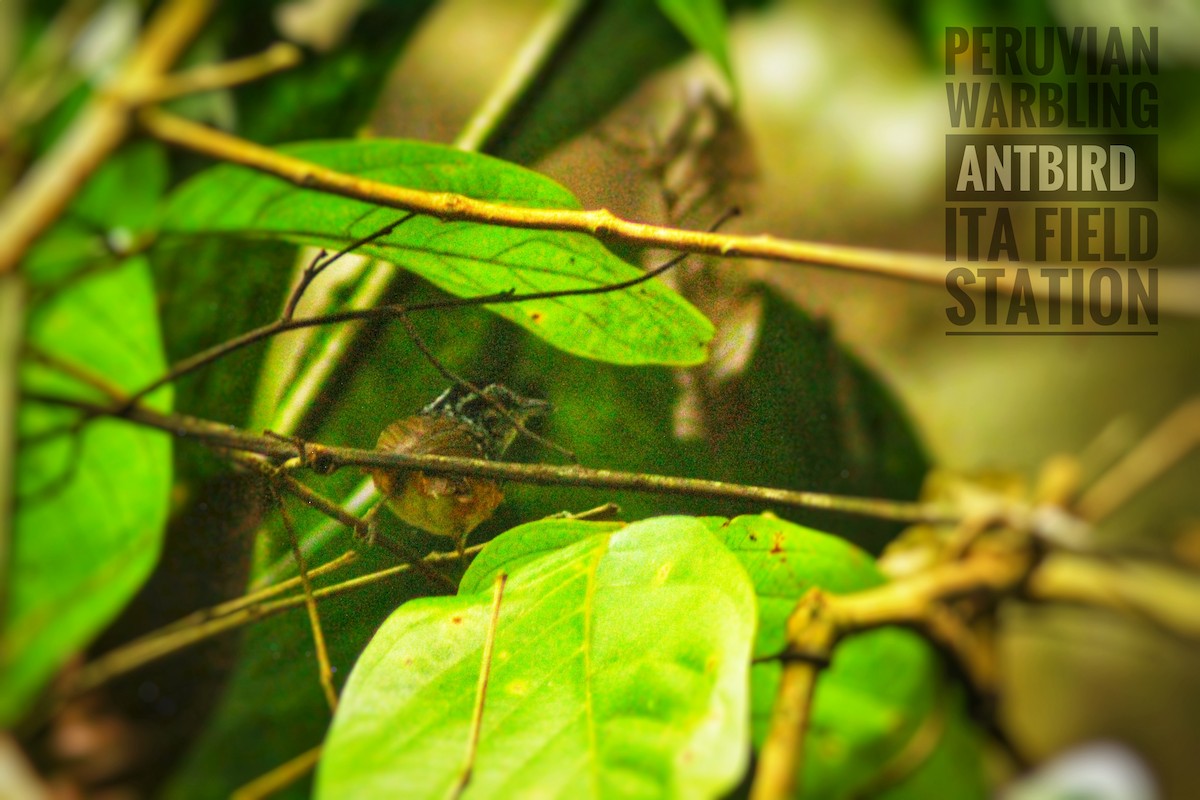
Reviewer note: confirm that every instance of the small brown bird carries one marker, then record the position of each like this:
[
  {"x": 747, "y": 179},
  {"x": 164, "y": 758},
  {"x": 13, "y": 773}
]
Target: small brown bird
[{"x": 459, "y": 423}]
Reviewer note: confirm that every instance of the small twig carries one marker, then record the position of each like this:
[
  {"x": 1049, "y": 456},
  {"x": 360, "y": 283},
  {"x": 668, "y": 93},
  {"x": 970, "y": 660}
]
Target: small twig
[
  {"x": 182, "y": 634},
  {"x": 485, "y": 672},
  {"x": 599, "y": 223},
  {"x": 280, "y": 777},
  {"x": 254, "y": 598},
  {"x": 326, "y": 458},
  {"x": 209, "y": 77},
  {"x": 360, "y": 527},
  {"x": 1162, "y": 448},
  {"x": 85, "y": 376},
  {"x": 205, "y": 357},
  {"x": 602, "y": 513},
  {"x": 321, "y": 262},
  {"x": 324, "y": 669}
]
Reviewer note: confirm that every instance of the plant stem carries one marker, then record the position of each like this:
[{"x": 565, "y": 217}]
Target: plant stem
[
  {"x": 222, "y": 618},
  {"x": 12, "y": 330},
  {"x": 324, "y": 669},
  {"x": 324, "y": 458},
  {"x": 485, "y": 673},
  {"x": 599, "y": 223},
  {"x": 280, "y": 777},
  {"x": 532, "y": 56}
]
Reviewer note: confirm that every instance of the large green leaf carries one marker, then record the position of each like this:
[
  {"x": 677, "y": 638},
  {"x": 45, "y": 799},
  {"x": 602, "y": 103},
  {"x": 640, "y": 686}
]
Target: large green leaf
[
  {"x": 647, "y": 324},
  {"x": 881, "y": 686},
  {"x": 91, "y": 505},
  {"x": 619, "y": 670}
]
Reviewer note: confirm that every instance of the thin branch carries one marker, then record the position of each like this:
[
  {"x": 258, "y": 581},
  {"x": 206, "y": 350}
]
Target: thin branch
[
  {"x": 322, "y": 262},
  {"x": 280, "y": 777},
  {"x": 254, "y": 598},
  {"x": 209, "y": 77},
  {"x": 85, "y": 376},
  {"x": 216, "y": 621},
  {"x": 599, "y": 223},
  {"x": 324, "y": 670},
  {"x": 360, "y": 527},
  {"x": 485, "y": 673},
  {"x": 1173, "y": 439},
  {"x": 299, "y": 389},
  {"x": 323, "y": 458},
  {"x": 206, "y": 357}
]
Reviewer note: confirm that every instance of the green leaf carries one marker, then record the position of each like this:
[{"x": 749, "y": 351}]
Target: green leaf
[
  {"x": 880, "y": 686},
  {"x": 646, "y": 324},
  {"x": 703, "y": 23},
  {"x": 90, "y": 506},
  {"x": 619, "y": 670}
]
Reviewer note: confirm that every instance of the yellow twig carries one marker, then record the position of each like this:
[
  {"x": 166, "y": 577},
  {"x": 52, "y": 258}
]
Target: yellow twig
[
  {"x": 177, "y": 636},
  {"x": 601, "y": 223},
  {"x": 324, "y": 669},
  {"x": 253, "y": 598},
  {"x": 279, "y": 778},
  {"x": 811, "y": 637},
  {"x": 485, "y": 672},
  {"x": 209, "y": 77},
  {"x": 1167, "y": 445}
]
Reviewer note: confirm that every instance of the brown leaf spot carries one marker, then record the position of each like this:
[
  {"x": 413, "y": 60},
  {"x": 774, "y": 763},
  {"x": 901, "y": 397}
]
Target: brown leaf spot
[{"x": 777, "y": 542}]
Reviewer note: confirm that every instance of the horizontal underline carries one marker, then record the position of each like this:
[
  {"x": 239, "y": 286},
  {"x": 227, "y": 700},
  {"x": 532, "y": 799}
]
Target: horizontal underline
[{"x": 1052, "y": 333}]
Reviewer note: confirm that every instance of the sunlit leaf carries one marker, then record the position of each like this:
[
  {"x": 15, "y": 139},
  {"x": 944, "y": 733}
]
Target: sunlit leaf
[
  {"x": 646, "y": 324},
  {"x": 619, "y": 670},
  {"x": 90, "y": 505}
]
